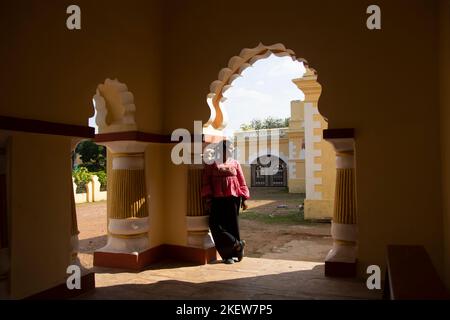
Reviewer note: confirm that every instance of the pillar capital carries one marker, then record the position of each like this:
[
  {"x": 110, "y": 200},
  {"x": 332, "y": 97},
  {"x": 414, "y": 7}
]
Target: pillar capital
[
  {"x": 309, "y": 85},
  {"x": 115, "y": 107}
]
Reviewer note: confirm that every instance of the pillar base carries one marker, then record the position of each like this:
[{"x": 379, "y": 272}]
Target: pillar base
[
  {"x": 198, "y": 234},
  {"x": 127, "y": 246},
  {"x": 130, "y": 261},
  {"x": 191, "y": 254},
  {"x": 340, "y": 269},
  {"x": 141, "y": 260},
  {"x": 200, "y": 240}
]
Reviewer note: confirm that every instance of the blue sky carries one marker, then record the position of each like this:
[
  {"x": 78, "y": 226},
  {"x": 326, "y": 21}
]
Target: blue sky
[{"x": 265, "y": 89}]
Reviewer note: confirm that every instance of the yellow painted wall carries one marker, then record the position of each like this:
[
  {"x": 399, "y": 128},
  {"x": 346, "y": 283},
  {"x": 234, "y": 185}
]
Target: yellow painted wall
[
  {"x": 40, "y": 212},
  {"x": 445, "y": 126},
  {"x": 175, "y": 200},
  {"x": 367, "y": 78},
  {"x": 247, "y": 171},
  {"x": 283, "y": 147},
  {"x": 52, "y": 73},
  {"x": 156, "y": 180}
]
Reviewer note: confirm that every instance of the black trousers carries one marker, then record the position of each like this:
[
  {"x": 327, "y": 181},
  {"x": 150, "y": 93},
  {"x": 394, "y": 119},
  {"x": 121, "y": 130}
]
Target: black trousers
[{"x": 224, "y": 225}]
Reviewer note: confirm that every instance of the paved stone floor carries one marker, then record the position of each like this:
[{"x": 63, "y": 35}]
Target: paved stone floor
[{"x": 253, "y": 278}]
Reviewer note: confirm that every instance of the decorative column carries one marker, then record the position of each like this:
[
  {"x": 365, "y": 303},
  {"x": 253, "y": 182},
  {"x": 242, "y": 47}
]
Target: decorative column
[
  {"x": 342, "y": 258},
  {"x": 128, "y": 243},
  {"x": 197, "y": 219},
  {"x": 319, "y": 155},
  {"x": 127, "y": 204}
]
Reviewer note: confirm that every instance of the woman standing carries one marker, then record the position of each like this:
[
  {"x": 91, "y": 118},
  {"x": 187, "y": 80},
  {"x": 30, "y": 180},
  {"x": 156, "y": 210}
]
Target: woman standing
[{"x": 223, "y": 188}]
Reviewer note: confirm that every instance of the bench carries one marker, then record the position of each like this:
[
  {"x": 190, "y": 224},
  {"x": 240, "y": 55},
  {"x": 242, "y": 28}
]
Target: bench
[{"x": 410, "y": 275}]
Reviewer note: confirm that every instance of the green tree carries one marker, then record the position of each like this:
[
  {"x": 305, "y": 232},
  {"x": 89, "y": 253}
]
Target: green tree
[{"x": 93, "y": 156}]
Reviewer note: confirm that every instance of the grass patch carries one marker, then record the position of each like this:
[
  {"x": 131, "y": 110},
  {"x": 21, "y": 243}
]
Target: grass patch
[{"x": 290, "y": 217}]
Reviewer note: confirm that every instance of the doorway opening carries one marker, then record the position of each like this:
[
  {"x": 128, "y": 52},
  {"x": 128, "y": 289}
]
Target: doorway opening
[
  {"x": 278, "y": 178},
  {"x": 89, "y": 178},
  {"x": 257, "y": 102}
]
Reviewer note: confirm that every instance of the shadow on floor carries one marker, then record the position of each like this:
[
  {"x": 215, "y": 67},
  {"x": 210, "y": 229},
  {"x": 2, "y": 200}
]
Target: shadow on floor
[
  {"x": 296, "y": 285},
  {"x": 165, "y": 264}
]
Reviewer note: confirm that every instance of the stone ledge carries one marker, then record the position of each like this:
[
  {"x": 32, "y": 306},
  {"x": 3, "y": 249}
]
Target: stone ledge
[{"x": 138, "y": 262}]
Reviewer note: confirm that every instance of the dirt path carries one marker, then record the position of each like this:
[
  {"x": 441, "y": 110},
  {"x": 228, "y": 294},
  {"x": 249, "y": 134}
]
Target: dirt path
[{"x": 288, "y": 242}]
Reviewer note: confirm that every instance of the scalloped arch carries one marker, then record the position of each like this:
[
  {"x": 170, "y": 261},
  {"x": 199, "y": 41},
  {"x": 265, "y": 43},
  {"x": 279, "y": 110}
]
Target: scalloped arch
[
  {"x": 236, "y": 65},
  {"x": 115, "y": 107}
]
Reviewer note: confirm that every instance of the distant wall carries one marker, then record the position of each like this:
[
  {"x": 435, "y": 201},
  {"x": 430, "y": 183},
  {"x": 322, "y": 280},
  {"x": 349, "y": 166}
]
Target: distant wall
[{"x": 93, "y": 192}]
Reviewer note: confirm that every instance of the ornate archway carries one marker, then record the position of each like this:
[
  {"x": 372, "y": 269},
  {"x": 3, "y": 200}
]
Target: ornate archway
[
  {"x": 341, "y": 260},
  {"x": 236, "y": 65}
]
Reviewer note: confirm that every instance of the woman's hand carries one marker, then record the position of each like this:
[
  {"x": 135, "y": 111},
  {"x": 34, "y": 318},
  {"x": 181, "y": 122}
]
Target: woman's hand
[{"x": 244, "y": 205}]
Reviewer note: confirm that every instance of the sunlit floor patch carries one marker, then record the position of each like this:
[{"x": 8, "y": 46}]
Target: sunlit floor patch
[{"x": 253, "y": 278}]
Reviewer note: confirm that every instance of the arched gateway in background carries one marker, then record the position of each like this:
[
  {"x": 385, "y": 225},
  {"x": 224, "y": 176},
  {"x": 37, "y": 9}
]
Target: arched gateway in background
[{"x": 276, "y": 175}]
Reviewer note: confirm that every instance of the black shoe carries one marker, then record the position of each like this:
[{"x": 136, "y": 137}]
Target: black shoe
[
  {"x": 240, "y": 250},
  {"x": 228, "y": 261}
]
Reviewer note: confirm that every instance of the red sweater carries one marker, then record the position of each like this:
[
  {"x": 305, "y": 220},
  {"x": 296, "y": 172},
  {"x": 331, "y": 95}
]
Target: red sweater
[{"x": 224, "y": 180}]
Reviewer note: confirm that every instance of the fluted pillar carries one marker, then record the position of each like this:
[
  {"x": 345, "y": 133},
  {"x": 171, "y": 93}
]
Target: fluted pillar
[
  {"x": 341, "y": 259},
  {"x": 197, "y": 219},
  {"x": 127, "y": 203}
]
